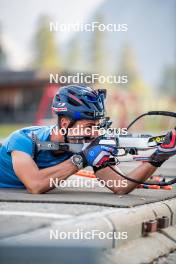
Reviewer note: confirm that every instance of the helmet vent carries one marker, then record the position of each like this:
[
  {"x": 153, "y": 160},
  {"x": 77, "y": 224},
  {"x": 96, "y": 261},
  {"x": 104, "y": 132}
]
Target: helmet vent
[
  {"x": 89, "y": 114},
  {"x": 85, "y": 103},
  {"x": 57, "y": 97},
  {"x": 71, "y": 92},
  {"x": 73, "y": 102}
]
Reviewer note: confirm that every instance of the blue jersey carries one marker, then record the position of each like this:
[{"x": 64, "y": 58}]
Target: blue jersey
[{"x": 21, "y": 140}]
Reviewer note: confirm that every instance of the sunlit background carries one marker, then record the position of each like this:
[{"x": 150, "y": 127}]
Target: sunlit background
[{"x": 146, "y": 53}]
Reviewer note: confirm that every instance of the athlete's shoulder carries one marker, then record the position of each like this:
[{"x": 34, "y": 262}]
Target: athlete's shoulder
[
  {"x": 34, "y": 129},
  {"x": 26, "y": 133},
  {"x": 42, "y": 132},
  {"x": 22, "y": 139}
]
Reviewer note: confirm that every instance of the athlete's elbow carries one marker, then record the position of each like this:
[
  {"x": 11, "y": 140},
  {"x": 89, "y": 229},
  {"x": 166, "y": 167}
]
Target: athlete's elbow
[
  {"x": 35, "y": 188},
  {"x": 34, "y": 191},
  {"x": 120, "y": 191}
]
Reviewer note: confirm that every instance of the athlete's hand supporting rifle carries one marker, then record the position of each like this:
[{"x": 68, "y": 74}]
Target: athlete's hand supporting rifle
[
  {"x": 166, "y": 150},
  {"x": 97, "y": 155}
]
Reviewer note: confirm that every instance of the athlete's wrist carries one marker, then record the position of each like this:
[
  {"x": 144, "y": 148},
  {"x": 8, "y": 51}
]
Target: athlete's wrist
[
  {"x": 77, "y": 160},
  {"x": 156, "y": 164},
  {"x": 96, "y": 169}
]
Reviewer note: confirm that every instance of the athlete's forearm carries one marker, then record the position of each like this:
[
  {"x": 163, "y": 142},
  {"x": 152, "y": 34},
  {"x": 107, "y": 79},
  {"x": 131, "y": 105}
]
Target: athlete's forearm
[
  {"x": 141, "y": 173},
  {"x": 42, "y": 178},
  {"x": 60, "y": 172},
  {"x": 38, "y": 180}
]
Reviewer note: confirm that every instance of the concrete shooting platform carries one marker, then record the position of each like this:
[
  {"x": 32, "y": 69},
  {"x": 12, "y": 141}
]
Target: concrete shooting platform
[{"x": 27, "y": 219}]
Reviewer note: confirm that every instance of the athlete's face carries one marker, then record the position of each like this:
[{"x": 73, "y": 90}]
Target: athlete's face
[
  {"x": 85, "y": 128},
  {"x": 82, "y": 128}
]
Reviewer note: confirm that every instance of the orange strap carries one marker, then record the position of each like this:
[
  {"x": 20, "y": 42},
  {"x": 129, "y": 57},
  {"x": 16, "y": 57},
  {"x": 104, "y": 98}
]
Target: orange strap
[{"x": 86, "y": 173}]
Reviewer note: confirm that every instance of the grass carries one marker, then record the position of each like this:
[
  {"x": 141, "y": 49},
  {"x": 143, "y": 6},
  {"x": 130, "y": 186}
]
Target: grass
[{"x": 6, "y": 129}]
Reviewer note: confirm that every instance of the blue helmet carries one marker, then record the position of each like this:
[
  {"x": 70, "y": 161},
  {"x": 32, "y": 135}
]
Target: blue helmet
[{"x": 79, "y": 102}]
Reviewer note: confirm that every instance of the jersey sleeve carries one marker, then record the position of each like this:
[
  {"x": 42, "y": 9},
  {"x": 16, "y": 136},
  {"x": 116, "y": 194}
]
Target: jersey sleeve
[{"x": 20, "y": 142}]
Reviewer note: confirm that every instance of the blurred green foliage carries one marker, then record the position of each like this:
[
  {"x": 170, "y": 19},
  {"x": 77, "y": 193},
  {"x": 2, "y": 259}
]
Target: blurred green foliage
[
  {"x": 7, "y": 129},
  {"x": 47, "y": 55}
]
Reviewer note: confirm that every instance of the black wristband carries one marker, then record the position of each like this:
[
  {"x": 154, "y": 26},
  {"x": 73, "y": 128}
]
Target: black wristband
[
  {"x": 157, "y": 164},
  {"x": 97, "y": 168}
]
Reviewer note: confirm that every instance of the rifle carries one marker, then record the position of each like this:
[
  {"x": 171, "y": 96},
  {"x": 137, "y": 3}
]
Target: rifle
[{"x": 126, "y": 144}]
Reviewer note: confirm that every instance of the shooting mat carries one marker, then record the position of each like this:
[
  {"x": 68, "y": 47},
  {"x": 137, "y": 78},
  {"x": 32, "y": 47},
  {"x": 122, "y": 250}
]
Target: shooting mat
[{"x": 96, "y": 196}]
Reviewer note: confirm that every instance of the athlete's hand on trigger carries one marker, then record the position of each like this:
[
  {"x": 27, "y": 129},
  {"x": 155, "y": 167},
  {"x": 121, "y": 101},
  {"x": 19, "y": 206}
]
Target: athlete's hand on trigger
[
  {"x": 166, "y": 150},
  {"x": 97, "y": 155}
]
